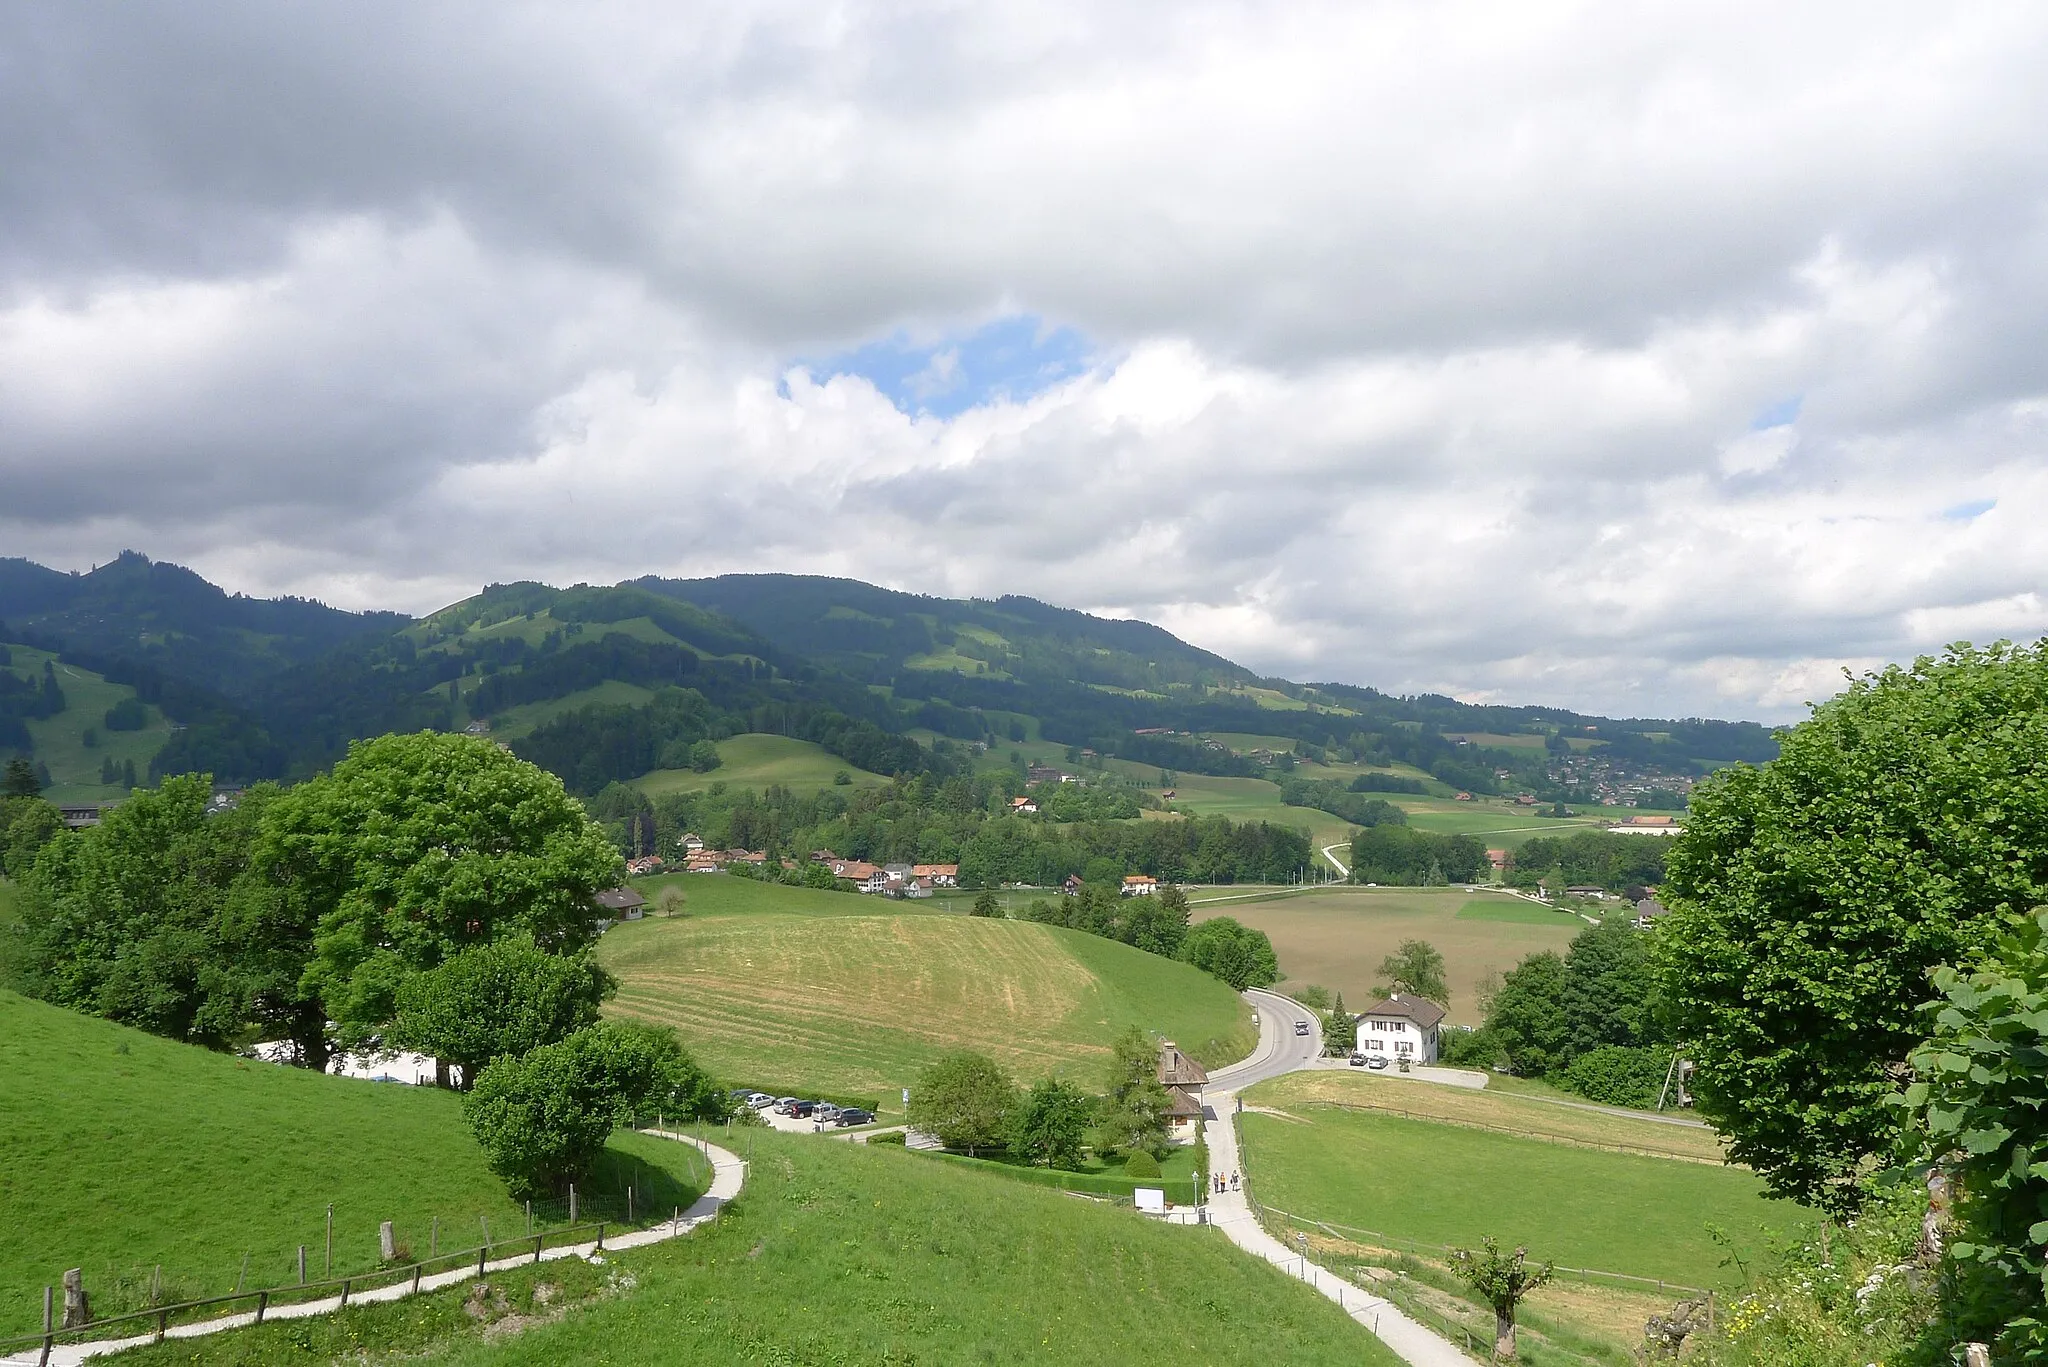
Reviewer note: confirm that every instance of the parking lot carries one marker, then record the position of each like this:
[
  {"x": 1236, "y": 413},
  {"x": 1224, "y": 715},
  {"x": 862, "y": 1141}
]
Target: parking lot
[{"x": 805, "y": 1124}]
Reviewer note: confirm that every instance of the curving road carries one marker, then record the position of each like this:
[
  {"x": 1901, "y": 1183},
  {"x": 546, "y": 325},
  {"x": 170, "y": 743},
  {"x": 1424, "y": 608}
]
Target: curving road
[{"x": 1279, "y": 1050}]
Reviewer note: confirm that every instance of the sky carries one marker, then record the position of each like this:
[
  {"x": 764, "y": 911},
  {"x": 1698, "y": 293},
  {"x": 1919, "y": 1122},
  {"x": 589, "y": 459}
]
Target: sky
[{"x": 1651, "y": 360}]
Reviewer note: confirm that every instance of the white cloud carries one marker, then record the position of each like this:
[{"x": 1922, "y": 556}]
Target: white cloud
[{"x": 1435, "y": 336}]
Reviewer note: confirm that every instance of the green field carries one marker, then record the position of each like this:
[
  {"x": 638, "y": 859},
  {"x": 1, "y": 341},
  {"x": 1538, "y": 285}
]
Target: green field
[
  {"x": 514, "y": 722},
  {"x": 1501, "y": 911},
  {"x": 757, "y": 761},
  {"x": 1337, "y": 936},
  {"x": 847, "y": 995},
  {"x": 120, "y": 1151},
  {"x": 60, "y": 740},
  {"x": 1441, "y": 1184},
  {"x": 840, "y": 1253}
]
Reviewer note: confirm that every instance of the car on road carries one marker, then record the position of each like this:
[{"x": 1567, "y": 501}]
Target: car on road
[
  {"x": 1378, "y": 1065},
  {"x": 854, "y": 1115},
  {"x": 1301, "y": 1027},
  {"x": 1357, "y": 1060}
]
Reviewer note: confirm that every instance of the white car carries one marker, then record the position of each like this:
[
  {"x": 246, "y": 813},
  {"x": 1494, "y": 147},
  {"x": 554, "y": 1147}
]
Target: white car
[
  {"x": 760, "y": 1101},
  {"x": 1301, "y": 1027}
]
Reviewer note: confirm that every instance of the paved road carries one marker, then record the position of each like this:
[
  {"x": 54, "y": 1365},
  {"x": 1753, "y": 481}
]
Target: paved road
[
  {"x": 1342, "y": 871},
  {"x": 1280, "y": 1050}
]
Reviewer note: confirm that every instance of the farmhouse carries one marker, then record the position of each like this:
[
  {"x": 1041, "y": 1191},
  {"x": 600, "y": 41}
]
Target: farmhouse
[
  {"x": 1502, "y": 860},
  {"x": 1401, "y": 1027},
  {"x": 1140, "y": 885},
  {"x": 1073, "y": 885},
  {"x": 1184, "y": 1080},
  {"x": 640, "y": 868},
  {"x": 1648, "y": 912},
  {"x": 1648, "y": 825},
  {"x": 871, "y": 878},
  {"x": 623, "y": 904},
  {"x": 1597, "y": 894},
  {"x": 1023, "y": 806},
  {"x": 940, "y": 875}
]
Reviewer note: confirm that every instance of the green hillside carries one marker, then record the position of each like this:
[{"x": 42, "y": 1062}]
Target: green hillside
[
  {"x": 842, "y": 1253},
  {"x": 844, "y": 993},
  {"x": 60, "y": 741},
  {"x": 757, "y": 761},
  {"x": 120, "y": 1151}
]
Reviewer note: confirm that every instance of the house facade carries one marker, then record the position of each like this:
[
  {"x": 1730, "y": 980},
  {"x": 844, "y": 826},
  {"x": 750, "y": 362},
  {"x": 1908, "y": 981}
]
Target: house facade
[
  {"x": 1184, "y": 1080},
  {"x": 941, "y": 875},
  {"x": 1400, "y": 1027}
]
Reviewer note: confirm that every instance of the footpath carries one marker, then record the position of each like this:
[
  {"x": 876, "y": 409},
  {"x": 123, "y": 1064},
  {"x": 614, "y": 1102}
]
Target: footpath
[{"x": 728, "y": 1174}]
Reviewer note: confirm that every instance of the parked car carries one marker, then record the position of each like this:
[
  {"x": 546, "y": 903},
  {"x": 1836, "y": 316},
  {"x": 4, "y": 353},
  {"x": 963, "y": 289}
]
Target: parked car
[
  {"x": 854, "y": 1115},
  {"x": 1357, "y": 1060},
  {"x": 825, "y": 1111},
  {"x": 801, "y": 1110},
  {"x": 760, "y": 1101},
  {"x": 786, "y": 1105},
  {"x": 1301, "y": 1027},
  {"x": 1378, "y": 1065}
]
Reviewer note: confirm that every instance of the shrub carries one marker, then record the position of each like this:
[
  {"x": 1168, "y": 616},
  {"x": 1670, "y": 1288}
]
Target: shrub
[
  {"x": 1617, "y": 1075},
  {"x": 1141, "y": 1165},
  {"x": 127, "y": 715},
  {"x": 893, "y": 1137}
]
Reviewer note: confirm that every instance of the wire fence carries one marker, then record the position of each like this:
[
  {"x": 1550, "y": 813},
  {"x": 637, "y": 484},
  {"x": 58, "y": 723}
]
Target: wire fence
[{"x": 1526, "y": 1132}]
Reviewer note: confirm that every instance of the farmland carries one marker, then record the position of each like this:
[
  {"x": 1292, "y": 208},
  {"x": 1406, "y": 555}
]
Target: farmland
[
  {"x": 1439, "y": 1184},
  {"x": 1337, "y": 936},
  {"x": 60, "y": 740},
  {"x": 860, "y": 1001},
  {"x": 120, "y": 1151},
  {"x": 840, "y": 1253},
  {"x": 757, "y": 761}
]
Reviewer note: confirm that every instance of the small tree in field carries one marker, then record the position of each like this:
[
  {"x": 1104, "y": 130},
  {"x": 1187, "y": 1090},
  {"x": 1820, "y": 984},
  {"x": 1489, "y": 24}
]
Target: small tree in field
[
  {"x": 986, "y": 904},
  {"x": 1050, "y": 1123},
  {"x": 965, "y": 1100},
  {"x": 1504, "y": 1279}
]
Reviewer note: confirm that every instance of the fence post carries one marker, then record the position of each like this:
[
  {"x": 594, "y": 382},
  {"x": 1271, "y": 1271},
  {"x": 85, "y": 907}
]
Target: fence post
[
  {"x": 538, "y": 1239},
  {"x": 529, "y": 1217},
  {"x": 480, "y": 1264},
  {"x": 49, "y": 1302},
  {"x": 344, "y": 1293},
  {"x": 600, "y": 1236},
  {"x": 328, "y": 1269},
  {"x": 572, "y": 1203},
  {"x": 161, "y": 1317},
  {"x": 434, "y": 1239},
  {"x": 629, "y": 1203},
  {"x": 262, "y": 1304},
  {"x": 302, "y": 1264},
  {"x": 416, "y": 1279}
]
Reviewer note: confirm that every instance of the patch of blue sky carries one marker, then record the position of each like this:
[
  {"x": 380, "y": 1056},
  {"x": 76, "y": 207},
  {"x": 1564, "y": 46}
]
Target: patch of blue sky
[
  {"x": 1969, "y": 511},
  {"x": 1783, "y": 413},
  {"x": 1011, "y": 358}
]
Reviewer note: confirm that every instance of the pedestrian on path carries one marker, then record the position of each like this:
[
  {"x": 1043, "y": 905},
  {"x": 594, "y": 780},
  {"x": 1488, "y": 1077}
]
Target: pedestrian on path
[{"x": 1233, "y": 1181}]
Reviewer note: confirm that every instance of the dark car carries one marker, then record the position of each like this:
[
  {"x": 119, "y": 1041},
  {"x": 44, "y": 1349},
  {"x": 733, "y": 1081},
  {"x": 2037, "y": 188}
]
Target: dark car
[
  {"x": 853, "y": 1115},
  {"x": 801, "y": 1110},
  {"x": 1358, "y": 1060}
]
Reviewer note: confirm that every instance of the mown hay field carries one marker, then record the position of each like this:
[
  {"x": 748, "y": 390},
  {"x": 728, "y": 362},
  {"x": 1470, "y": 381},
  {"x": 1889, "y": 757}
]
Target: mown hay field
[{"x": 861, "y": 1003}]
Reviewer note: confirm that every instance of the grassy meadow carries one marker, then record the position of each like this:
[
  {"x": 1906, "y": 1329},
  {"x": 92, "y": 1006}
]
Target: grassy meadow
[
  {"x": 825, "y": 992},
  {"x": 1447, "y": 1184},
  {"x": 60, "y": 740},
  {"x": 758, "y": 761},
  {"x": 1337, "y": 936},
  {"x": 120, "y": 1151},
  {"x": 514, "y": 722},
  {"x": 840, "y": 1253}
]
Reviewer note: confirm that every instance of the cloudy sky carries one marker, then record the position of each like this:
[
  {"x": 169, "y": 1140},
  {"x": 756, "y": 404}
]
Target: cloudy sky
[{"x": 1646, "y": 359}]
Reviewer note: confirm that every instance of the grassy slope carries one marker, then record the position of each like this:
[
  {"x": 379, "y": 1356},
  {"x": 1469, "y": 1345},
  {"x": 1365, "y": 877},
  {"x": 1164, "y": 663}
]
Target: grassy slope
[
  {"x": 59, "y": 740},
  {"x": 842, "y": 1254},
  {"x": 1446, "y": 1184},
  {"x": 1337, "y": 937},
  {"x": 756, "y": 761},
  {"x": 825, "y": 992},
  {"x": 119, "y": 1150},
  {"x": 514, "y": 722}
]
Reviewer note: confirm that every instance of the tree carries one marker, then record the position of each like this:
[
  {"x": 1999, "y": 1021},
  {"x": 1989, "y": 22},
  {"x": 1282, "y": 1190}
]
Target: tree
[
  {"x": 26, "y": 825},
  {"x": 1157, "y": 924},
  {"x": 415, "y": 848},
  {"x": 1340, "y": 1029},
  {"x": 543, "y": 1117},
  {"x": 1975, "y": 1109},
  {"x": 498, "y": 999},
  {"x": 704, "y": 757},
  {"x": 1417, "y": 968},
  {"x": 986, "y": 904},
  {"x": 965, "y": 1100},
  {"x": 1504, "y": 1279},
  {"x": 20, "y": 779},
  {"x": 1528, "y": 1020},
  {"x": 1049, "y": 1124},
  {"x": 1609, "y": 988},
  {"x": 1238, "y": 954},
  {"x": 1133, "y": 1111},
  {"x": 1900, "y": 826}
]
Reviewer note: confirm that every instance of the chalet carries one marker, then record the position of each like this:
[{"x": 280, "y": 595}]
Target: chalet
[
  {"x": 1403, "y": 1027},
  {"x": 1167, "y": 794},
  {"x": 900, "y": 876},
  {"x": 1597, "y": 894},
  {"x": 703, "y": 864},
  {"x": 940, "y": 875},
  {"x": 646, "y": 864},
  {"x": 1184, "y": 1080},
  {"x": 622, "y": 904},
  {"x": 1072, "y": 885},
  {"x": 1023, "y": 806},
  {"x": 78, "y": 818},
  {"x": 691, "y": 844},
  {"x": 1525, "y": 799},
  {"x": 755, "y": 857},
  {"x": 1139, "y": 885},
  {"x": 865, "y": 877},
  {"x": 1649, "y": 911},
  {"x": 1183, "y": 1116},
  {"x": 824, "y": 857},
  {"x": 1502, "y": 860},
  {"x": 915, "y": 887}
]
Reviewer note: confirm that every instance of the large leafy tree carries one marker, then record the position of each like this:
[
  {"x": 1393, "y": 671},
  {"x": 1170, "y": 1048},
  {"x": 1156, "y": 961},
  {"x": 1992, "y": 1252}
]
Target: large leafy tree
[
  {"x": 1134, "y": 1109},
  {"x": 1416, "y": 968},
  {"x": 1900, "y": 825},
  {"x": 1609, "y": 988},
  {"x": 1528, "y": 1021},
  {"x": 495, "y": 1000},
  {"x": 1238, "y": 954},
  {"x": 966, "y": 1100},
  {"x": 417, "y": 847},
  {"x": 1050, "y": 1123}
]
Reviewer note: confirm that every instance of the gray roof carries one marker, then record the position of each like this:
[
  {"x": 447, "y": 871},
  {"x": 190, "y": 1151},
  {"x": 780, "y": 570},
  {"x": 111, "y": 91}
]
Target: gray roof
[
  {"x": 620, "y": 899},
  {"x": 1421, "y": 1010},
  {"x": 1177, "y": 1069}
]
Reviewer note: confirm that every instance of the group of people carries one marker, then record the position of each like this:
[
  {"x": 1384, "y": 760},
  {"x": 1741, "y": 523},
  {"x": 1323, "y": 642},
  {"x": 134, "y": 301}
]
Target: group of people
[{"x": 1219, "y": 1185}]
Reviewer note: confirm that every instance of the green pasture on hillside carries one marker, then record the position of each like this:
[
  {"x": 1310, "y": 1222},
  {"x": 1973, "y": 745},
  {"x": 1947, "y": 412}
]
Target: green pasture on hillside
[
  {"x": 842, "y": 1253},
  {"x": 1336, "y": 936},
  {"x": 859, "y": 1002},
  {"x": 758, "y": 760},
  {"x": 1443, "y": 1184},
  {"x": 60, "y": 740},
  {"x": 514, "y": 722},
  {"x": 120, "y": 1151}
]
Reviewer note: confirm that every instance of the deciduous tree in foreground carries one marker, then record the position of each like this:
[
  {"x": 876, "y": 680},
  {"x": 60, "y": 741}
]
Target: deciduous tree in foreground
[
  {"x": 1504, "y": 1279},
  {"x": 965, "y": 1100}
]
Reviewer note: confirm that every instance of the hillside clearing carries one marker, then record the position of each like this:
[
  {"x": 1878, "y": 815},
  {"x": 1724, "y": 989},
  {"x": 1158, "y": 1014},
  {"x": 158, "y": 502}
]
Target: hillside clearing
[
  {"x": 843, "y": 1253},
  {"x": 757, "y": 760},
  {"x": 60, "y": 740},
  {"x": 120, "y": 1151},
  {"x": 861, "y": 1003},
  {"x": 514, "y": 722}
]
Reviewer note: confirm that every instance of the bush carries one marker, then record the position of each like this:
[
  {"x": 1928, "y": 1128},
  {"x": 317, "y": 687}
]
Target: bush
[
  {"x": 127, "y": 715},
  {"x": 1616, "y": 1075},
  {"x": 1141, "y": 1165},
  {"x": 893, "y": 1137}
]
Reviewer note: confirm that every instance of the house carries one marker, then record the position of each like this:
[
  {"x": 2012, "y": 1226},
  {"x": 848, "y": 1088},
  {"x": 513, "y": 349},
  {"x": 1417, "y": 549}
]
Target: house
[
  {"x": 1648, "y": 825},
  {"x": 899, "y": 875},
  {"x": 691, "y": 844},
  {"x": 1167, "y": 794},
  {"x": 622, "y": 904},
  {"x": 641, "y": 867},
  {"x": 940, "y": 875},
  {"x": 1464, "y": 797},
  {"x": 1183, "y": 1116},
  {"x": 1649, "y": 911},
  {"x": 1072, "y": 885},
  {"x": 1403, "y": 1026},
  {"x": 1140, "y": 885},
  {"x": 754, "y": 857},
  {"x": 1502, "y": 860},
  {"x": 78, "y": 818},
  {"x": 480, "y": 727},
  {"x": 916, "y": 887},
  {"x": 1023, "y": 806},
  {"x": 1525, "y": 799},
  {"x": 1176, "y": 1069},
  {"x": 865, "y": 877},
  {"x": 824, "y": 857},
  {"x": 703, "y": 864},
  {"x": 1586, "y": 890}
]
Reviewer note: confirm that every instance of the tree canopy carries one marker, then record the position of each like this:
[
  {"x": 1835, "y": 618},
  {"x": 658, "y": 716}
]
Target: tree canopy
[
  {"x": 1899, "y": 827},
  {"x": 1238, "y": 954},
  {"x": 964, "y": 1099},
  {"x": 495, "y": 1000},
  {"x": 1416, "y": 968}
]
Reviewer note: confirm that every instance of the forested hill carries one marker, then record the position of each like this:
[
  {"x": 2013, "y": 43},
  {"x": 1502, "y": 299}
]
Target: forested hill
[{"x": 607, "y": 684}]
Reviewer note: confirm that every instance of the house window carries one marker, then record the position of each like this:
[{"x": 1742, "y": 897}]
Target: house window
[{"x": 1402, "y": 1046}]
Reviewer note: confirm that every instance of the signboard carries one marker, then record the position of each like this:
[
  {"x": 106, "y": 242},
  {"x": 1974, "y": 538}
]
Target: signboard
[
  {"x": 1151, "y": 1199},
  {"x": 906, "y": 1098}
]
